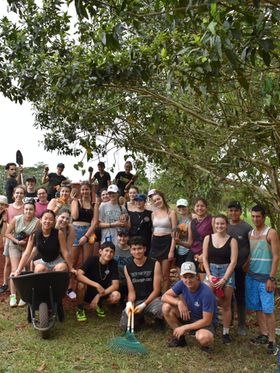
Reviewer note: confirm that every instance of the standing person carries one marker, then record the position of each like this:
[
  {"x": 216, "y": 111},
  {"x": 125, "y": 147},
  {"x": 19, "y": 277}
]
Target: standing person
[
  {"x": 42, "y": 202},
  {"x": 12, "y": 180},
  {"x": 143, "y": 277},
  {"x": 30, "y": 183},
  {"x": 54, "y": 180},
  {"x": 14, "y": 209},
  {"x": 3, "y": 219},
  {"x": 183, "y": 252},
  {"x": 261, "y": 277},
  {"x": 112, "y": 216},
  {"x": 130, "y": 205},
  {"x": 149, "y": 204},
  {"x": 200, "y": 227},
  {"x": 50, "y": 246},
  {"x": 63, "y": 201},
  {"x": 18, "y": 231},
  {"x": 190, "y": 302},
  {"x": 125, "y": 178},
  {"x": 102, "y": 178},
  {"x": 239, "y": 229},
  {"x": 220, "y": 252},
  {"x": 141, "y": 221},
  {"x": 98, "y": 281},
  {"x": 164, "y": 222},
  {"x": 85, "y": 215}
]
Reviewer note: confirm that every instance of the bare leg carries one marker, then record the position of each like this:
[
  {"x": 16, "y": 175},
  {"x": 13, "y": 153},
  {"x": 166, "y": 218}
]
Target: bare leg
[
  {"x": 171, "y": 315},
  {"x": 226, "y": 306},
  {"x": 165, "y": 268},
  {"x": 262, "y": 322},
  {"x": 270, "y": 322},
  {"x": 14, "y": 264}
]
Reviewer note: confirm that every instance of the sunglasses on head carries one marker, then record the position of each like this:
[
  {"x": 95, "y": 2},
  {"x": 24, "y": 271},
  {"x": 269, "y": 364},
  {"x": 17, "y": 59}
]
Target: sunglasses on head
[{"x": 29, "y": 200}]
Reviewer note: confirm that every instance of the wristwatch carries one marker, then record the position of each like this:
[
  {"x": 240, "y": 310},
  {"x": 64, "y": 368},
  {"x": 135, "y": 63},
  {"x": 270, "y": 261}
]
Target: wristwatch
[{"x": 271, "y": 278}]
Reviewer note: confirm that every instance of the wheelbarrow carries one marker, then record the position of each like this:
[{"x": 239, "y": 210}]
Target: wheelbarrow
[{"x": 43, "y": 292}]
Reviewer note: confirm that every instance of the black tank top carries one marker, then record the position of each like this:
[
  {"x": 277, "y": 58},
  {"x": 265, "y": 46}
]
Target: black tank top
[
  {"x": 142, "y": 278},
  {"x": 85, "y": 215},
  {"x": 48, "y": 247},
  {"x": 221, "y": 255}
]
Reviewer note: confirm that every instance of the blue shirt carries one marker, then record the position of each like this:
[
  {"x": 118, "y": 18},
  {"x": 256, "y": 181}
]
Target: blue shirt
[{"x": 202, "y": 300}]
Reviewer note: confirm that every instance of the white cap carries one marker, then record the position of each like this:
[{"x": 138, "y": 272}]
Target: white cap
[
  {"x": 182, "y": 202},
  {"x": 3, "y": 199},
  {"x": 188, "y": 267},
  {"x": 113, "y": 189},
  {"x": 151, "y": 192}
]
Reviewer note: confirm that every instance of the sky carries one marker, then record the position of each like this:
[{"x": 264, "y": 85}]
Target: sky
[{"x": 20, "y": 134}]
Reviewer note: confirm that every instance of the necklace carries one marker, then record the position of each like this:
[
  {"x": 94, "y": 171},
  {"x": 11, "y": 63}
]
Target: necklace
[
  {"x": 258, "y": 235},
  {"x": 106, "y": 272}
]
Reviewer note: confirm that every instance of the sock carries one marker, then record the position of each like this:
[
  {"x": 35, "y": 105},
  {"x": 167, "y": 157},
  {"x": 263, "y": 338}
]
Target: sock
[{"x": 225, "y": 331}]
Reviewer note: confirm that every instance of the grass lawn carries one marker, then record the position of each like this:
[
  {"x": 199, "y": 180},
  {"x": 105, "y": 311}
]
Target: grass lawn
[{"x": 82, "y": 347}]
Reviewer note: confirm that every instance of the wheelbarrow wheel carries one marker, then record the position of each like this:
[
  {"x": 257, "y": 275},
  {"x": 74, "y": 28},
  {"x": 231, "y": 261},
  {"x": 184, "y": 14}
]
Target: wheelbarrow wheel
[{"x": 44, "y": 319}]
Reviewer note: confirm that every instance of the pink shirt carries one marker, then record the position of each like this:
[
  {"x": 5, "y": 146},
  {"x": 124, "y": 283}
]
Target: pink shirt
[
  {"x": 12, "y": 212},
  {"x": 40, "y": 208}
]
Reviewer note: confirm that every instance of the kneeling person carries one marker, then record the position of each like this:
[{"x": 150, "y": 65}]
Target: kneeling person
[
  {"x": 98, "y": 281},
  {"x": 143, "y": 276},
  {"x": 188, "y": 306}
]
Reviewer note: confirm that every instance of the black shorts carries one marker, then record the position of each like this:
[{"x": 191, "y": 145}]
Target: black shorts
[
  {"x": 91, "y": 292},
  {"x": 211, "y": 328},
  {"x": 180, "y": 259},
  {"x": 160, "y": 247}
]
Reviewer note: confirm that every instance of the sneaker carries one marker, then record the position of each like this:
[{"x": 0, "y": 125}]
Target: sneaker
[
  {"x": 175, "y": 342},
  {"x": 272, "y": 348},
  {"x": 71, "y": 293},
  {"x": 226, "y": 339},
  {"x": 21, "y": 303},
  {"x": 81, "y": 315},
  {"x": 100, "y": 312},
  {"x": 13, "y": 300},
  {"x": 260, "y": 339},
  {"x": 3, "y": 288},
  {"x": 242, "y": 331}
]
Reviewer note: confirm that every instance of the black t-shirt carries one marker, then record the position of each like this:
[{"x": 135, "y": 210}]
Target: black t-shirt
[
  {"x": 48, "y": 247},
  {"x": 54, "y": 179},
  {"x": 100, "y": 273},
  {"x": 142, "y": 278},
  {"x": 141, "y": 225},
  {"x": 102, "y": 180},
  {"x": 122, "y": 178},
  {"x": 31, "y": 195},
  {"x": 11, "y": 183}
]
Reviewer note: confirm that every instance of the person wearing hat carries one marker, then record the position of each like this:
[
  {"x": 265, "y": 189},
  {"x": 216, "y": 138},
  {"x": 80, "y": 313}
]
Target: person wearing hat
[
  {"x": 182, "y": 251},
  {"x": 31, "y": 191},
  {"x": 190, "y": 306},
  {"x": 112, "y": 216},
  {"x": 141, "y": 221},
  {"x": 54, "y": 179},
  {"x": 149, "y": 204},
  {"x": 239, "y": 229}
]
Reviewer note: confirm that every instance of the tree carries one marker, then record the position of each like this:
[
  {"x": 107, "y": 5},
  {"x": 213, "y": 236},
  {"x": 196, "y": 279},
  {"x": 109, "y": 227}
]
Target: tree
[{"x": 187, "y": 84}]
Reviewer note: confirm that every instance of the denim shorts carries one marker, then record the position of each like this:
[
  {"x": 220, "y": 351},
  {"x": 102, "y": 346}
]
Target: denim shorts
[
  {"x": 257, "y": 297},
  {"x": 219, "y": 270},
  {"x": 50, "y": 265},
  {"x": 80, "y": 231}
]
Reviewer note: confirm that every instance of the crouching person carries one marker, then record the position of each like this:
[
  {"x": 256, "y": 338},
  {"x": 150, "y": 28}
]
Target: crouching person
[
  {"x": 143, "y": 276},
  {"x": 190, "y": 307},
  {"x": 98, "y": 282}
]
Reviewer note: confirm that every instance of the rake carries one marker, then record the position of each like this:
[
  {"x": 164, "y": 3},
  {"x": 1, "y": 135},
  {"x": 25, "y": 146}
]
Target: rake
[{"x": 128, "y": 343}]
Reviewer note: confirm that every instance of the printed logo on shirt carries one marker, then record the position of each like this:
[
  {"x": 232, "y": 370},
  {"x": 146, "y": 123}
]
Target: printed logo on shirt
[{"x": 196, "y": 303}]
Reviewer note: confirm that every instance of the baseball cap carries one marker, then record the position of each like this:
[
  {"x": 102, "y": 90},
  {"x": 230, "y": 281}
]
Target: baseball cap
[
  {"x": 140, "y": 197},
  {"x": 31, "y": 178},
  {"x": 152, "y": 192},
  {"x": 122, "y": 231},
  {"x": 182, "y": 202},
  {"x": 4, "y": 200},
  {"x": 60, "y": 165},
  {"x": 188, "y": 267},
  {"x": 235, "y": 205},
  {"x": 113, "y": 189}
]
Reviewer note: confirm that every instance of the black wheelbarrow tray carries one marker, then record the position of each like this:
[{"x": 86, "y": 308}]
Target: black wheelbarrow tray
[{"x": 43, "y": 292}]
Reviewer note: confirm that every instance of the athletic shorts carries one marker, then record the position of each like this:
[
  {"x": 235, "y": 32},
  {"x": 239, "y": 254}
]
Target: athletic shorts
[
  {"x": 219, "y": 270},
  {"x": 211, "y": 328},
  {"x": 160, "y": 247},
  {"x": 80, "y": 231},
  {"x": 257, "y": 297},
  {"x": 180, "y": 259}
]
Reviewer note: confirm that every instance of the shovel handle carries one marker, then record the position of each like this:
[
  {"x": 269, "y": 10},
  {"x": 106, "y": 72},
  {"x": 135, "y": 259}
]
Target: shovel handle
[{"x": 128, "y": 321}]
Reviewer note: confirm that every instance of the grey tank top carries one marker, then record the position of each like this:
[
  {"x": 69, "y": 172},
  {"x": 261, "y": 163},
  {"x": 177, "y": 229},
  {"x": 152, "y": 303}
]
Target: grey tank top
[{"x": 162, "y": 225}]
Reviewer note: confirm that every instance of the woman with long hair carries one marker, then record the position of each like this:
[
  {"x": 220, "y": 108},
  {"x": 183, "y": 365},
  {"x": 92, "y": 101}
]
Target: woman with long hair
[{"x": 163, "y": 244}]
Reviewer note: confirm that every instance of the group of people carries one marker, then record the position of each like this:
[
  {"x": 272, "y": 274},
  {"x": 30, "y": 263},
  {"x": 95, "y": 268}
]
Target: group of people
[{"x": 121, "y": 247}]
